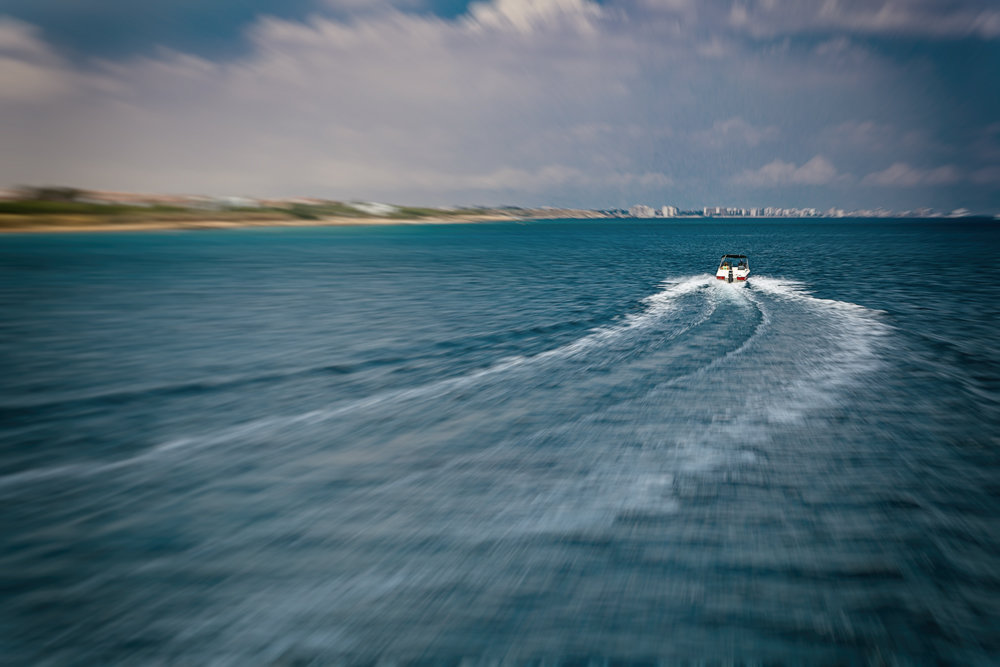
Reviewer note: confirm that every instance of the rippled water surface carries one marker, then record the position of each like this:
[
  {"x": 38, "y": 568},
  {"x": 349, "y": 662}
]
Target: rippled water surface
[{"x": 554, "y": 441}]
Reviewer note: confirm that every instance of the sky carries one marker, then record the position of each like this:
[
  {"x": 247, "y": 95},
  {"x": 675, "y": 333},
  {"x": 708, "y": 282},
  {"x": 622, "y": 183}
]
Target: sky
[{"x": 821, "y": 103}]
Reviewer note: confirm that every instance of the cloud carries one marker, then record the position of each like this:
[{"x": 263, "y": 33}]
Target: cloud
[
  {"x": 526, "y": 16},
  {"x": 388, "y": 105},
  {"x": 960, "y": 18},
  {"x": 900, "y": 174},
  {"x": 545, "y": 178},
  {"x": 365, "y": 6},
  {"x": 986, "y": 143},
  {"x": 516, "y": 101},
  {"x": 672, "y": 6},
  {"x": 844, "y": 52},
  {"x": 22, "y": 39},
  {"x": 817, "y": 171},
  {"x": 735, "y": 131},
  {"x": 987, "y": 176},
  {"x": 714, "y": 48},
  {"x": 30, "y": 70},
  {"x": 862, "y": 134}
]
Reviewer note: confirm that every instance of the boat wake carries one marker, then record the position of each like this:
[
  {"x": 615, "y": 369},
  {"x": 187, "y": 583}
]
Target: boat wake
[
  {"x": 698, "y": 363},
  {"x": 471, "y": 482}
]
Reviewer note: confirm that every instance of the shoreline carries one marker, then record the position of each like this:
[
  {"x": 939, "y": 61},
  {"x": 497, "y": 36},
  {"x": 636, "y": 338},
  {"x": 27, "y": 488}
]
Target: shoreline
[{"x": 76, "y": 225}]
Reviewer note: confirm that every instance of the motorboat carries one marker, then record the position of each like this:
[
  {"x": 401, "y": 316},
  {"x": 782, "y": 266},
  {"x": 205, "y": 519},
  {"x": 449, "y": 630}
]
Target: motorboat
[{"x": 733, "y": 269}]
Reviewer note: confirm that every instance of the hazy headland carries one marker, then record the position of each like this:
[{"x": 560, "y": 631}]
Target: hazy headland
[{"x": 69, "y": 210}]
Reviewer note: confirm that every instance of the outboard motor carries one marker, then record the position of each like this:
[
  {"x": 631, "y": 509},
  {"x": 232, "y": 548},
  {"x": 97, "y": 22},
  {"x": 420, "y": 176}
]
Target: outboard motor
[{"x": 730, "y": 279}]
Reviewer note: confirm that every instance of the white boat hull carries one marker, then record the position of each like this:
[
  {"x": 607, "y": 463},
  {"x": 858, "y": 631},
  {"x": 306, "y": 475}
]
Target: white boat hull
[
  {"x": 738, "y": 277},
  {"x": 733, "y": 270}
]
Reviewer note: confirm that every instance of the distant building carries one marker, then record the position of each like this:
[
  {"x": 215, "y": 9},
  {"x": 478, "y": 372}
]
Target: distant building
[
  {"x": 669, "y": 211},
  {"x": 641, "y": 211}
]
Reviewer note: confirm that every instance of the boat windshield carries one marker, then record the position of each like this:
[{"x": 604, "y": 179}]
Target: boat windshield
[{"x": 734, "y": 262}]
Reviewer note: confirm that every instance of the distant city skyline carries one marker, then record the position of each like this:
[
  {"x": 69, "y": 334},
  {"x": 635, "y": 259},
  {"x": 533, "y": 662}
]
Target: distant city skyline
[{"x": 847, "y": 104}]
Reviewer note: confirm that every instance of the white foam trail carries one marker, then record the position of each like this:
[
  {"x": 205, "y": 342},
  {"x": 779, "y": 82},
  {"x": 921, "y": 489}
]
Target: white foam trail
[
  {"x": 854, "y": 350},
  {"x": 844, "y": 345},
  {"x": 657, "y": 306},
  {"x": 758, "y": 331}
]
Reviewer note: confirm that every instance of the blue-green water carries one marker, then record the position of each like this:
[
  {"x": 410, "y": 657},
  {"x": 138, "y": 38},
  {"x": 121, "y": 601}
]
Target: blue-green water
[{"x": 554, "y": 441}]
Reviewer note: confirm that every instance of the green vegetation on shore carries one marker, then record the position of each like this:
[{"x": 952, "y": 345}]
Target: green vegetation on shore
[
  {"x": 66, "y": 209},
  {"x": 69, "y": 214},
  {"x": 40, "y": 207},
  {"x": 34, "y": 214}
]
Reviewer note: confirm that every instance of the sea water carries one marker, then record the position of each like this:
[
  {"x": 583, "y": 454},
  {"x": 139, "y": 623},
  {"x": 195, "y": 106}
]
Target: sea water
[{"x": 554, "y": 441}]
